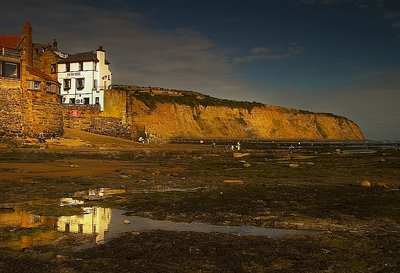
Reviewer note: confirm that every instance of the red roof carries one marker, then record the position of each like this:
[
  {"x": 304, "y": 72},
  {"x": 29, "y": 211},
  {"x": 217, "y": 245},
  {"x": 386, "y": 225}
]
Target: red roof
[
  {"x": 10, "y": 41},
  {"x": 37, "y": 72}
]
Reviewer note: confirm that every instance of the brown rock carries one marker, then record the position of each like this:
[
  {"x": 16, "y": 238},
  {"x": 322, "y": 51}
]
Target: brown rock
[
  {"x": 234, "y": 181},
  {"x": 365, "y": 183},
  {"x": 381, "y": 185},
  {"x": 238, "y": 155}
]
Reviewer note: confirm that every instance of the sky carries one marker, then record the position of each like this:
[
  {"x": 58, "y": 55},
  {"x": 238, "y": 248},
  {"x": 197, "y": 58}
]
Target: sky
[{"x": 332, "y": 56}]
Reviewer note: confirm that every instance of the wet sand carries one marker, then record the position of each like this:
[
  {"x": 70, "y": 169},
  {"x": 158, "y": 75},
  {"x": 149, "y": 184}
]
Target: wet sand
[{"x": 309, "y": 189}]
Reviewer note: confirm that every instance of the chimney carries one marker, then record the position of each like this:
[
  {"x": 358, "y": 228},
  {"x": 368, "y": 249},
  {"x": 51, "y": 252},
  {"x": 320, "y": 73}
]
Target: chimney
[
  {"x": 54, "y": 44},
  {"x": 28, "y": 43}
]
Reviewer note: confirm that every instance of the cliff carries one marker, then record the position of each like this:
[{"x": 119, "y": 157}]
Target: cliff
[{"x": 197, "y": 116}]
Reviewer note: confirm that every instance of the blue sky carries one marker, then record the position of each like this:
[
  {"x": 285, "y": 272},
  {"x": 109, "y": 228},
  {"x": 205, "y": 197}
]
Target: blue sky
[{"x": 336, "y": 56}]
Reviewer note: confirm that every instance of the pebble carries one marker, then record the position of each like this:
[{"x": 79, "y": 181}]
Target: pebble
[
  {"x": 126, "y": 221},
  {"x": 294, "y": 165}
]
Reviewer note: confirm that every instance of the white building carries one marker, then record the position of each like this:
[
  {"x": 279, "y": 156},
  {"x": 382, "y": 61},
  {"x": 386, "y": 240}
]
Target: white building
[{"x": 84, "y": 77}]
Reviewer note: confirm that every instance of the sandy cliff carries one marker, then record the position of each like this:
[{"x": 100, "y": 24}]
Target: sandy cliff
[{"x": 198, "y": 118}]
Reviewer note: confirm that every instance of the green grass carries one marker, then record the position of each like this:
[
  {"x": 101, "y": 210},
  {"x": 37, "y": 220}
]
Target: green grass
[{"x": 191, "y": 100}]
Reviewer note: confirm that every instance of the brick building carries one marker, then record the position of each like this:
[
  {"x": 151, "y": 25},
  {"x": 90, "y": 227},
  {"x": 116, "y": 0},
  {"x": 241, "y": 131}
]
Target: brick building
[{"x": 29, "y": 92}]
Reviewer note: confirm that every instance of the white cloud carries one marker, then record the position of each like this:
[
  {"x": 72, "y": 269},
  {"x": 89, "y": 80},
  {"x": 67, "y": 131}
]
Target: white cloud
[{"x": 263, "y": 53}]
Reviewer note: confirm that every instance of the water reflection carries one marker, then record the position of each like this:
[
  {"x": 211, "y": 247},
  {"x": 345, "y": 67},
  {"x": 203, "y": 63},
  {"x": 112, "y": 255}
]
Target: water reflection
[
  {"x": 359, "y": 151},
  {"x": 95, "y": 220},
  {"x": 25, "y": 229},
  {"x": 106, "y": 224}
]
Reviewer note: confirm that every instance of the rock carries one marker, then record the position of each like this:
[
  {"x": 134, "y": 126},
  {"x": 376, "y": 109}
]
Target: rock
[
  {"x": 365, "y": 183},
  {"x": 311, "y": 163},
  {"x": 382, "y": 160},
  {"x": 294, "y": 165},
  {"x": 73, "y": 166},
  {"x": 246, "y": 165},
  {"x": 238, "y": 155},
  {"x": 124, "y": 176},
  {"x": 234, "y": 181},
  {"x": 381, "y": 185},
  {"x": 126, "y": 221}
]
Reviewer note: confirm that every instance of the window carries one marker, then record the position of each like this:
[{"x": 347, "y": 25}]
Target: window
[
  {"x": 10, "y": 70},
  {"x": 72, "y": 100},
  {"x": 33, "y": 85},
  {"x": 80, "y": 66},
  {"x": 53, "y": 68},
  {"x": 36, "y": 85},
  {"x": 95, "y": 85},
  {"x": 51, "y": 87},
  {"x": 80, "y": 83},
  {"x": 67, "y": 84},
  {"x": 95, "y": 66},
  {"x": 85, "y": 100},
  {"x": 97, "y": 100},
  {"x": 67, "y": 67},
  {"x": 80, "y": 228}
]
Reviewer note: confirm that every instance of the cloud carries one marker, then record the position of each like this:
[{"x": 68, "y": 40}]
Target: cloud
[
  {"x": 263, "y": 53},
  {"x": 140, "y": 54},
  {"x": 396, "y": 24},
  {"x": 391, "y": 14}
]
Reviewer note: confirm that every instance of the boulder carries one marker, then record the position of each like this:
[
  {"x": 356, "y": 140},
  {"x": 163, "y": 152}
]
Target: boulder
[{"x": 365, "y": 183}]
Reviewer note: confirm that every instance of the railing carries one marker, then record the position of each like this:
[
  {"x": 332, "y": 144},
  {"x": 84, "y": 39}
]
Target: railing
[{"x": 10, "y": 52}]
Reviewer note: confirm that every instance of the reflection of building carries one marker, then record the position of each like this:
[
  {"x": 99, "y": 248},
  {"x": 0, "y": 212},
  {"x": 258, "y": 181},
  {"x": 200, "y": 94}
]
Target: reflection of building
[
  {"x": 94, "y": 221},
  {"x": 21, "y": 219}
]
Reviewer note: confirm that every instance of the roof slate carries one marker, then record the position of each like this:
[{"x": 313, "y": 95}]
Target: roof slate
[
  {"x": 41, "y": 74},
  {"x": 10, "y": 41},
  {"x": 80, "y": 57}
]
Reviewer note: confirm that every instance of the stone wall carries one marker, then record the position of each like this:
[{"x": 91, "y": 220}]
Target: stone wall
[
  {"x": 42, "y": 112},
  {"x": 89, "y": 118},
  {"x": 10, "y": 108},
  {"x": 80, "y": 116}
]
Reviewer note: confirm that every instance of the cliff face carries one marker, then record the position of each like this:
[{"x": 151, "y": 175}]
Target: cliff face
[{"x": 171, "y": 119}]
